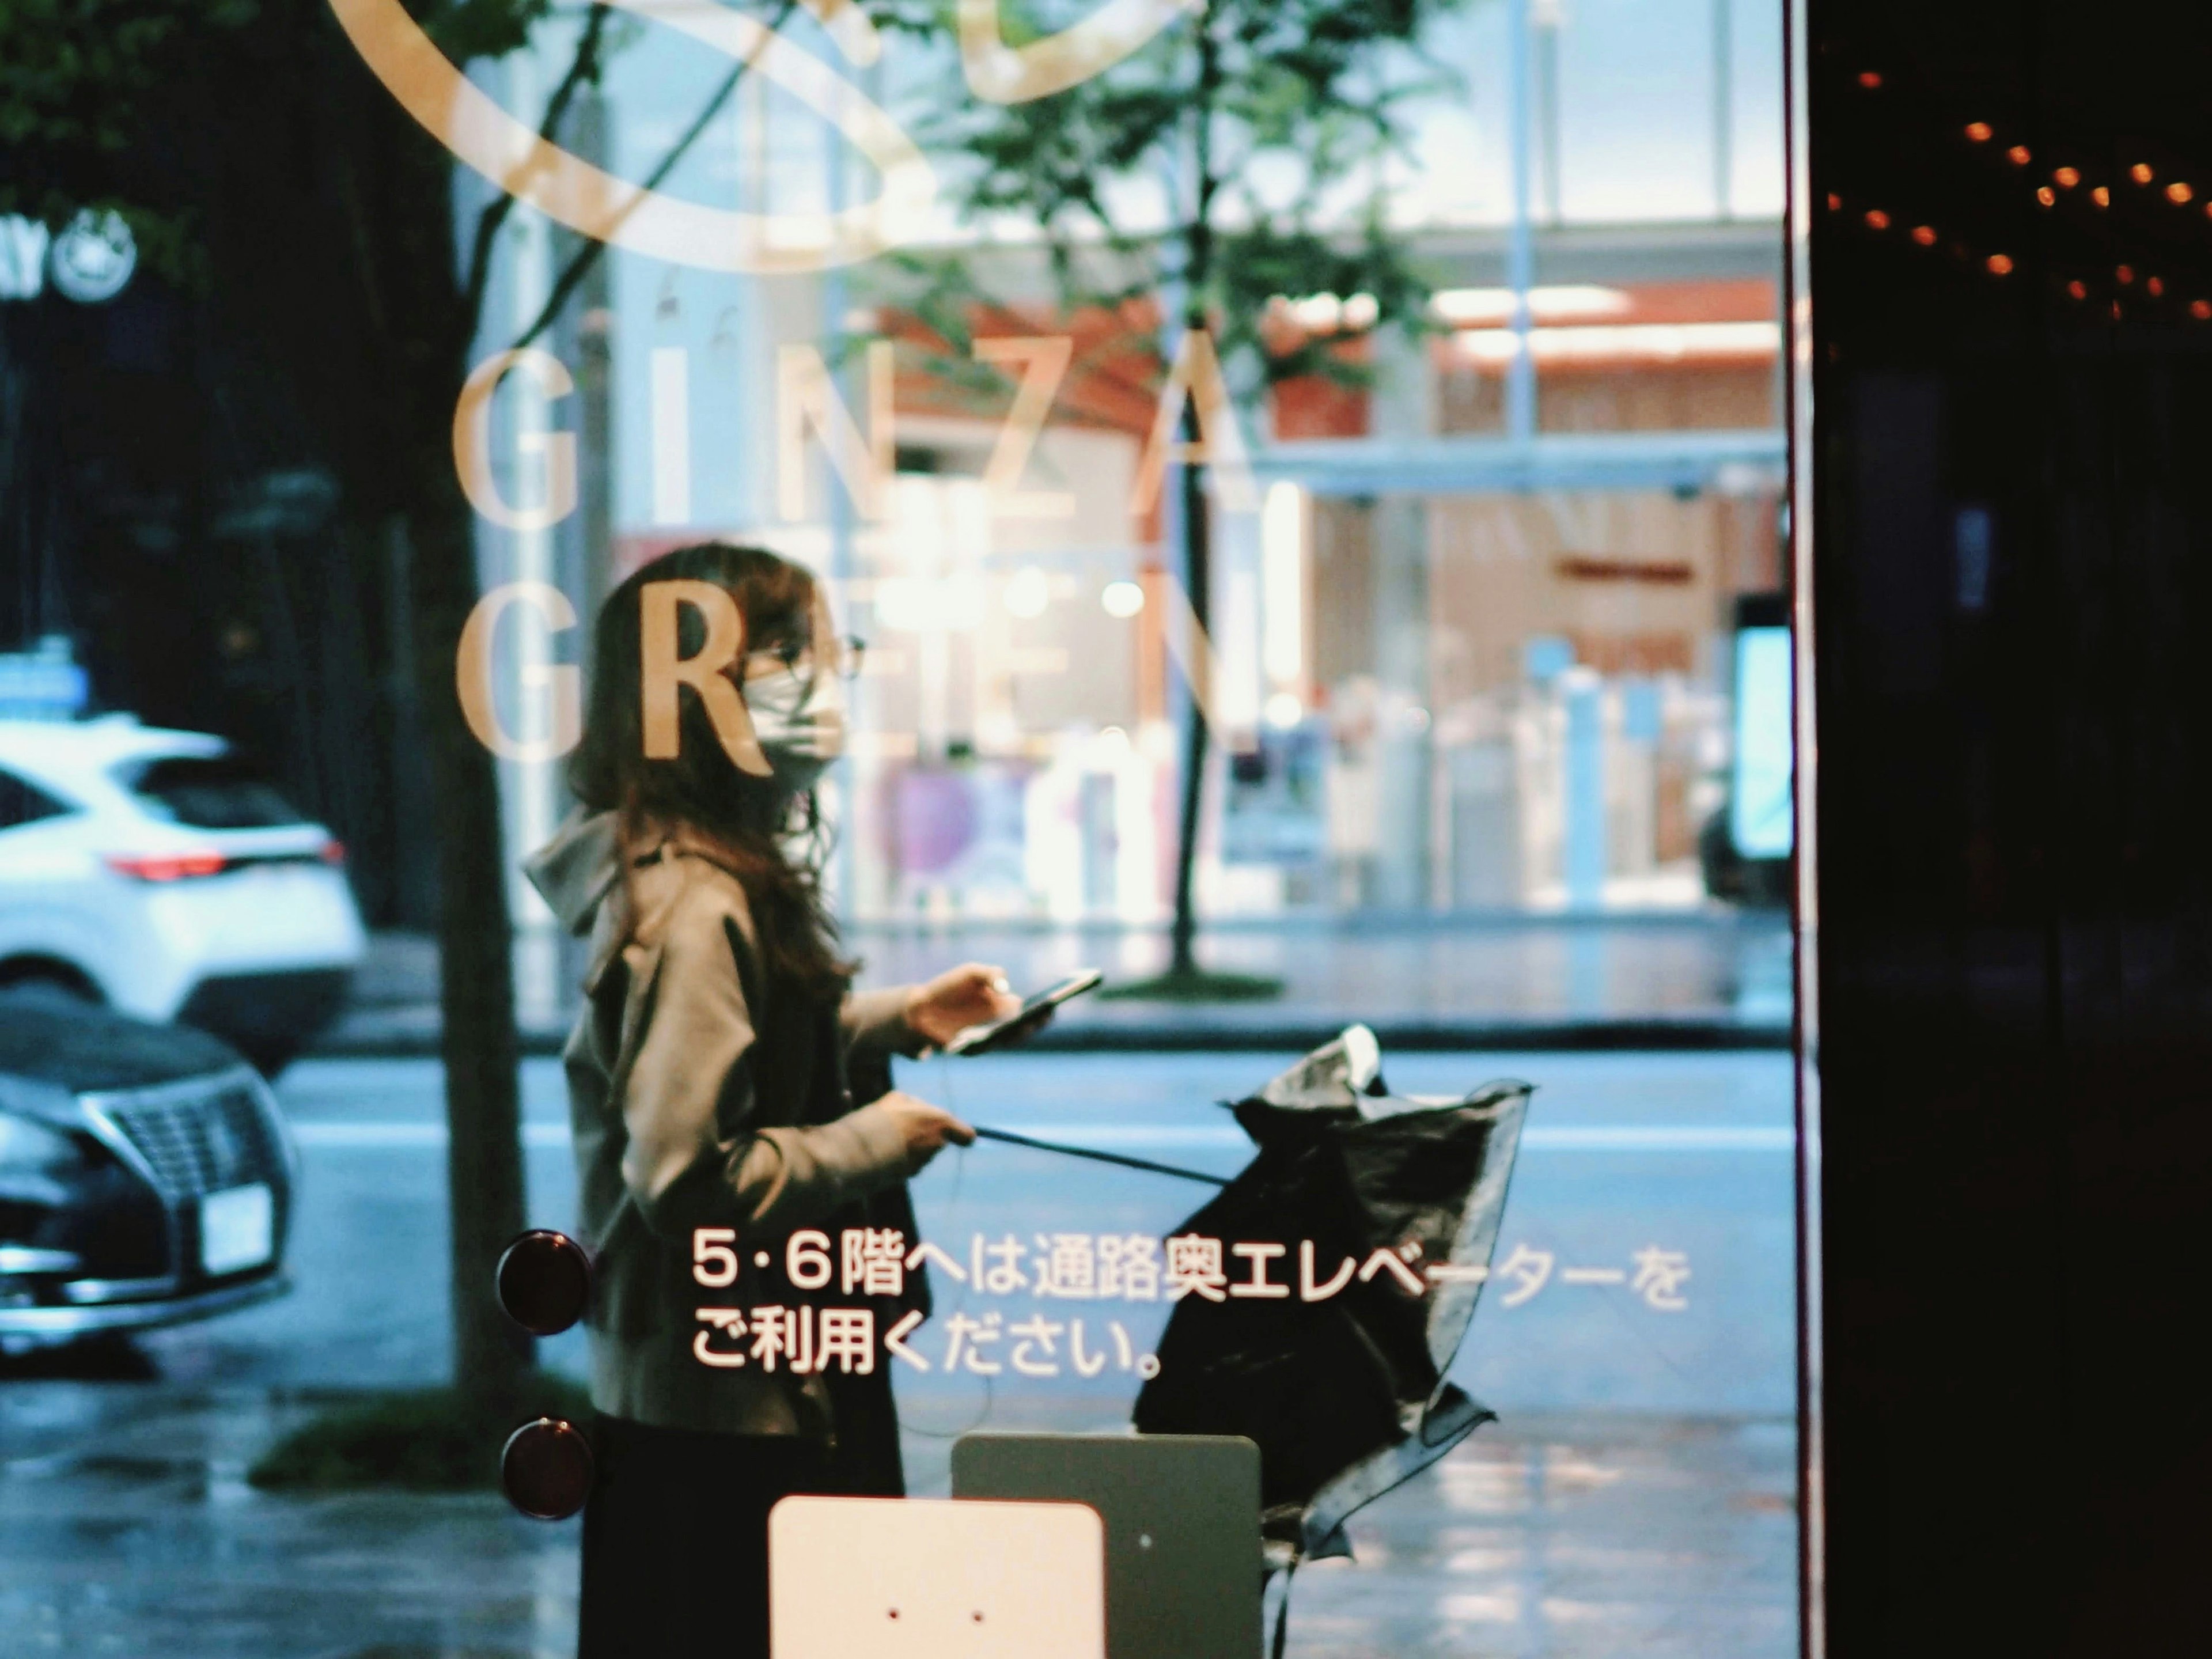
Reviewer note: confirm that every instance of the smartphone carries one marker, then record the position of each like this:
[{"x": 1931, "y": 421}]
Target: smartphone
[{"x": 979, "y": 1039}]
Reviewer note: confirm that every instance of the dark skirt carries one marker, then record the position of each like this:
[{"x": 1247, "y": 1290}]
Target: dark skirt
[{"x": 676, "y": 1532}]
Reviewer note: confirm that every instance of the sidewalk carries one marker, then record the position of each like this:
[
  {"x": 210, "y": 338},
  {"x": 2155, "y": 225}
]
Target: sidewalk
[
  {"x": 127, "y": 1528},
  {"x": 1717, "y": 979}
]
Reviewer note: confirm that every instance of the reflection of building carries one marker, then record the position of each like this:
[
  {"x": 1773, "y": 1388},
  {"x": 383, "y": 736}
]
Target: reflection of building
[
  {"x": 1490, "y": 675},
  {"x": 1544, "y": 622}
]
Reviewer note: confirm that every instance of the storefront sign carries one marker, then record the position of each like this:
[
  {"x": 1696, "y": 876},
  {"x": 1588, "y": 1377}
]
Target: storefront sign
[{"x": 90, "y": 262}]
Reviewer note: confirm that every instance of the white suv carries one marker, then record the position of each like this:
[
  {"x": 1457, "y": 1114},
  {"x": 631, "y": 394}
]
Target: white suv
[{"x": 156, "y": 871}]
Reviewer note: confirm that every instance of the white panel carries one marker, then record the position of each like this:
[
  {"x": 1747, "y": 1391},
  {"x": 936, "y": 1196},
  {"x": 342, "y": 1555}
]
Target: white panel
[
  {"x": 671, "y": 435},
  {"x": 933, "y": 1578}
]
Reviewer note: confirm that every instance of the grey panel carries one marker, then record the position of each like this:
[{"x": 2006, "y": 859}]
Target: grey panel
[{"x": 1183, "y": 1529}]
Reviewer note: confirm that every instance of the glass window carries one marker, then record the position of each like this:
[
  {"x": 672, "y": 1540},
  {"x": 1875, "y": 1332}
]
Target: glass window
[
  {"x": 209, "y": 792},
  {"x": 1276, "y": 504},
  {"x": 23, "y": 802}
]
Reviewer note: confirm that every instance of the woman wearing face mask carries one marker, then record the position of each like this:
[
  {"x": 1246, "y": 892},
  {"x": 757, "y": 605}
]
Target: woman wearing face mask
[{"x": 708, "y": 1088}]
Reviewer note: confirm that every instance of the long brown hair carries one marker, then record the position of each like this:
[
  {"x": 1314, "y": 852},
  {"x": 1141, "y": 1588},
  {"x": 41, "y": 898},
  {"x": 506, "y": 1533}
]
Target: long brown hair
[{"x": 700, "y": 797}]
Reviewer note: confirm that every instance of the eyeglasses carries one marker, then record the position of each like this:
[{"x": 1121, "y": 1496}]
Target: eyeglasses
[{"x": 842, "y": 655}]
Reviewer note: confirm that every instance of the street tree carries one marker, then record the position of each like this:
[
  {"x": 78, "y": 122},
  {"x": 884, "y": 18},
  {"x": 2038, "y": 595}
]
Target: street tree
[{"x": 1240, "y": 162}]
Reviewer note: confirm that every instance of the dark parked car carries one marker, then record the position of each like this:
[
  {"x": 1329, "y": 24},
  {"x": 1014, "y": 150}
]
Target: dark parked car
[{"x": 146, "y": 1177}]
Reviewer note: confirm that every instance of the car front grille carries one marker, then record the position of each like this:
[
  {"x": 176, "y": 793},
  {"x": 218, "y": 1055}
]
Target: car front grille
[{"x": 199, "y": 1144}]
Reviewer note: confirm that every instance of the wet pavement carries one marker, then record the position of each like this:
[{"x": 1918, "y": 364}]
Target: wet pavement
[
  {"x": 1635, "y": 1498},
  {"x": 134, "y": 1533}
]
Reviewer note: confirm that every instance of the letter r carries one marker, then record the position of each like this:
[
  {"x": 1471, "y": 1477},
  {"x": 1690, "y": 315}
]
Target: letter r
[{"x": 663, "y": 671}]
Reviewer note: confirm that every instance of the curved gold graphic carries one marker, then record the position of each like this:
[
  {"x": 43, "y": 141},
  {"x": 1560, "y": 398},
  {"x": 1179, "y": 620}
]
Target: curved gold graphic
[
  {"x": 484, "y": 135},
  {"x": 1014, "y": 75},
  {"x": 848, "y": 28}
]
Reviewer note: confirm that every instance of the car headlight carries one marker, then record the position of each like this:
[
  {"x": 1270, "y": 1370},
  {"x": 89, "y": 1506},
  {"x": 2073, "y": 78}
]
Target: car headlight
[{"x": 28, "y": 1147}]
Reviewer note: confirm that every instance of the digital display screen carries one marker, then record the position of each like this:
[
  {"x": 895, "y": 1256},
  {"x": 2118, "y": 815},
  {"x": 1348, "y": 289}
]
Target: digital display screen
[{"x": 1761, "y": 819}]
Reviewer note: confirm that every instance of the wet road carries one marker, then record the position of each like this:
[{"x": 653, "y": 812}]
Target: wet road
[{"x": 1636, "y": 1496}]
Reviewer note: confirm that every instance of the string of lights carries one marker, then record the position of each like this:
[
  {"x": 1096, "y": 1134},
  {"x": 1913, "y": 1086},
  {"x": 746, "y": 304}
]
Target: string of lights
[{"x": 2132, "y": 279}]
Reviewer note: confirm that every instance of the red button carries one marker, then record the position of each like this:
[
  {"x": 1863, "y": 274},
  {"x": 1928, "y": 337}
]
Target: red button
[
  {"x": 545, "y": 1282},
  {"x": 545, "y": 1469}
]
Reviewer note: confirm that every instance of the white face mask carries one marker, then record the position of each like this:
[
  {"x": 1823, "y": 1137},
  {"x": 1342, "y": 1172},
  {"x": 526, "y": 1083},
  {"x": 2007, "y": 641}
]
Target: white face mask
[{"x": 800, "y": 723}]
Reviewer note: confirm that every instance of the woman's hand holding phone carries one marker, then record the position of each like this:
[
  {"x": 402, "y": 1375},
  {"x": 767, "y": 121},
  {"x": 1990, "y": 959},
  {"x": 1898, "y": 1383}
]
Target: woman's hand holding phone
[
  {"x": 974, "y": 993},
  {"x": 927, "y": 1129}
]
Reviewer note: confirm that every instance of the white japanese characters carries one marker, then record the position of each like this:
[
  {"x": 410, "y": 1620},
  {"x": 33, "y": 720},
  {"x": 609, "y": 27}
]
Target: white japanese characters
[
  {"x": 865, "y": 1263},
  {"x": 804, "y": 1339}
]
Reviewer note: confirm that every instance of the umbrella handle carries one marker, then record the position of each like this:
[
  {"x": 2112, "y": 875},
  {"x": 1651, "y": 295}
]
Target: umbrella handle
[{"x": 1096, "y": 1157}]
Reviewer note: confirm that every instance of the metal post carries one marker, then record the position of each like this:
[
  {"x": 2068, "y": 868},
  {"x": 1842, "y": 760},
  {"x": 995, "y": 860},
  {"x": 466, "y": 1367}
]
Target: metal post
[
  {"x": 844, "y": 874},
  {"x": 531, "y": 791},
  {"x": 1521, "y": 260},
  {"x": 1584, "y": 860},
  {"x": 1548, "y": 19},
  {"x": 1723, "y": 110}
]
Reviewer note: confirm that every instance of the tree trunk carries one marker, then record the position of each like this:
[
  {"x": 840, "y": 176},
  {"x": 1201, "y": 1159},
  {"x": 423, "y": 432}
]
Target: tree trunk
[
  {"x": 1197, "y": 537},
  {"x": 476, "y": 967},
  {"x": 1198, "y": 580},
  {"x": 428, "y": 314},
  {"x": 430, "y": 325}
]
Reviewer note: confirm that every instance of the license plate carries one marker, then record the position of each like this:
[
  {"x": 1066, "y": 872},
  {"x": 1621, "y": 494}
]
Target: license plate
[
  {"x": 238, "y": 1228},
  {"x": 279, "y": 883}
]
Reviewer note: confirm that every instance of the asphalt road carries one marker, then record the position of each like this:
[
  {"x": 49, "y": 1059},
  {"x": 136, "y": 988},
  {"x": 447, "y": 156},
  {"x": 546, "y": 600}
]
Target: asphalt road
[{"x": 1686, "y": 1154}]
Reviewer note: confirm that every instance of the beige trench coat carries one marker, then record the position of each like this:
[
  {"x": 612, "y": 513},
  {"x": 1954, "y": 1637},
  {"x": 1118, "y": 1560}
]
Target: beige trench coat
[{"x": 689, "y": 1089}]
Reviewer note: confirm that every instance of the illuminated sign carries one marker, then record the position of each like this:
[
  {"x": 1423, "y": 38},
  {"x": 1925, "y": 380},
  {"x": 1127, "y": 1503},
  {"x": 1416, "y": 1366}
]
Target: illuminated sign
[{"x": 90, "y": 262}]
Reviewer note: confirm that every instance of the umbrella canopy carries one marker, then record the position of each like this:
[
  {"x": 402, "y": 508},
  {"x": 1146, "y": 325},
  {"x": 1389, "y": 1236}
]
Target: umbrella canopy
[{"x": 1368, "y": 1220}]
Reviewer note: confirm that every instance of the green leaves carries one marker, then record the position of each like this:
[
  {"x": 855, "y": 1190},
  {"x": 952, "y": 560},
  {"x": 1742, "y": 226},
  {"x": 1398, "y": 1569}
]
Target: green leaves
[
  {"x": 1243, "y": 150},
  {"x": 1270, "y": 262},
  {"x": 86, "y": 86},
  {"x": 468, "y": 29},
  {"x": 68, "y": 67},
  {"x": 73, "y": 74}
]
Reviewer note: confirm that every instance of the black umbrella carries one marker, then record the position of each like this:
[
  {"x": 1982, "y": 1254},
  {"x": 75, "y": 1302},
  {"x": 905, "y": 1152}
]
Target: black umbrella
[{"x": 1339, "y": 1376}]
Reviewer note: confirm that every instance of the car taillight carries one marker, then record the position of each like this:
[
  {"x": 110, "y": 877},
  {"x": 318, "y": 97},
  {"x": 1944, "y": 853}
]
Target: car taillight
[
  {"x": 168, "y": 866},
  {"x": 333, "y": 852}
]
